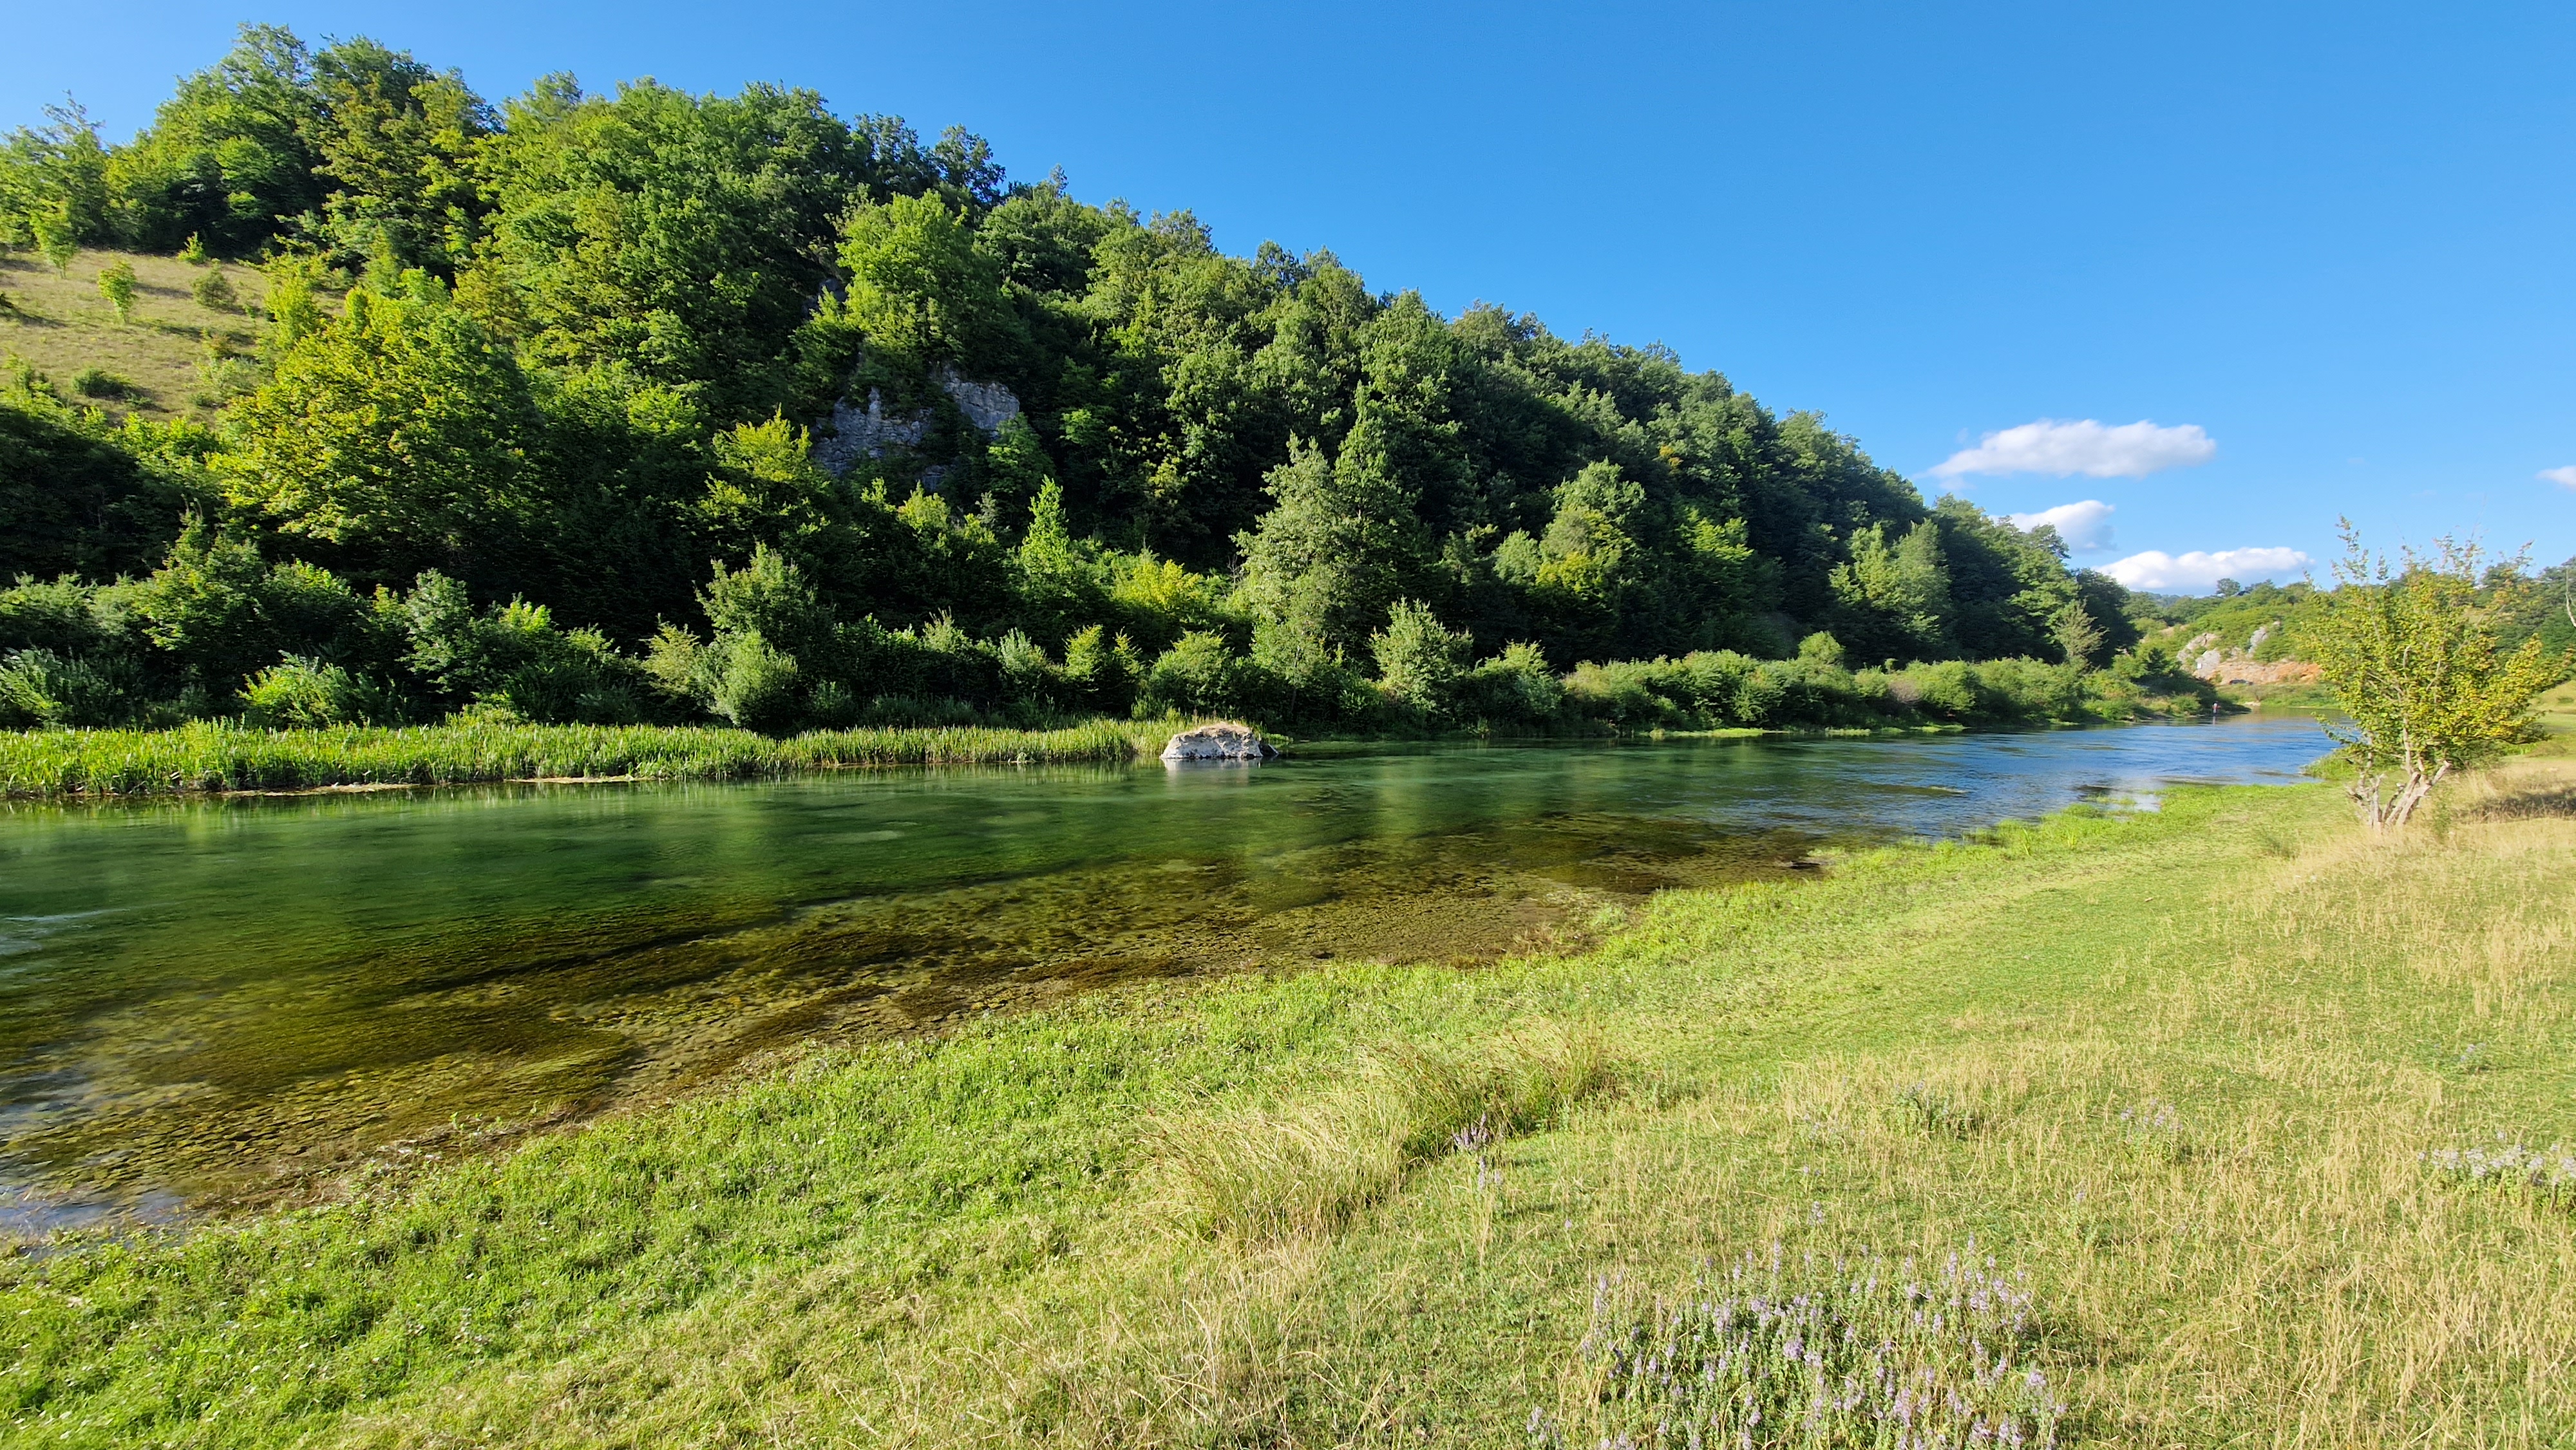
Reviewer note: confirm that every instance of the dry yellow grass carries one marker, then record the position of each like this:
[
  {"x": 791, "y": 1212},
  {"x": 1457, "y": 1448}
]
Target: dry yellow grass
[{"x": 61, "y": 324}]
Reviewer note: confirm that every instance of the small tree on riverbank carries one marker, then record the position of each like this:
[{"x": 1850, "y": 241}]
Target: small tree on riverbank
[{"x": 2412, "y": 656}]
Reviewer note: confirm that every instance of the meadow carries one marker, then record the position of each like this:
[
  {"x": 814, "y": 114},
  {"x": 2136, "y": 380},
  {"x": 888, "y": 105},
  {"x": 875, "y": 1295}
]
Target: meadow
[
  {"x": 2218, "y": 1124},
  {"x": 178, "y": 358}
]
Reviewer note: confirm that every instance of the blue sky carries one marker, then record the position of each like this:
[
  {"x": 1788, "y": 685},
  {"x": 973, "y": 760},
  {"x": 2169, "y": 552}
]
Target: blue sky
[{"x": 2322, "y": 252}]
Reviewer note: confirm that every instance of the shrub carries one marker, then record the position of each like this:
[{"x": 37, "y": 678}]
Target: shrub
[
  {"x": 2023, "y": 689},
  {"x": 56, "y": 239},
  {"x": 1947, "y": 690},
  {"x": 1419, "y": 659},
  {"x": 62, "y": 616},
  {"x": 1028, "y": 676},
  {"x": 300, "y": 693},
  {"x": 753, "y": 683},
  {"x": 938, "y": 659},
  {"x": 779, "y": 660},
  {"x": 225, "y": 374},
  {"x": 214, "y": 292},
  {"x": 1100, "y": 673},
  {"x": 1806, "y": 691},
  {"x": 1201, "y": 675},
  {"x": 116, "y": 284},
  {"x": 1515, "y": 687},
  {"x": 219, "y": 613},
  {"x": 96, "y": 382},
  {"x": 1760, "y": 696},
  {"x": 1635, "y": 693},
  {"x": 511, "y": 658},
  {"x": 919, "y": 712},
  {"x": 41, "y": 688},
  {"x": 1718, "y": 680}
]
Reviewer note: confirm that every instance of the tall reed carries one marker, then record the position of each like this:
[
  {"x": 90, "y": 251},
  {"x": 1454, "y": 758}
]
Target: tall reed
[{"x": 217, "y": 756}]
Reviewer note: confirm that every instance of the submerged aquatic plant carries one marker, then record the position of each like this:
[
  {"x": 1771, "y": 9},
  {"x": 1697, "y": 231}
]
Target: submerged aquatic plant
[{"x": 1816, "y": 1352}]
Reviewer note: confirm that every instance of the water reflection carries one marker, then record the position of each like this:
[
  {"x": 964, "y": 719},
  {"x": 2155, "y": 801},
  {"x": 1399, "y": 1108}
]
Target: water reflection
[{"x": 211, "y": 999}]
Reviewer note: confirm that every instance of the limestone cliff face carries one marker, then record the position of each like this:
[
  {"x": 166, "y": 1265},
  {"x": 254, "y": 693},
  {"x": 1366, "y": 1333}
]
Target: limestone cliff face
[
  {"x": 986, "y": 405},
  {"x": 868, "y": 432},
  {"x": 2231, "y": 666}
]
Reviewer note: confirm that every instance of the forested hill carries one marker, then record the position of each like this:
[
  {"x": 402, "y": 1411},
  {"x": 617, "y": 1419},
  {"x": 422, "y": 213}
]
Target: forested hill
[{"x": 768, "y": 399}]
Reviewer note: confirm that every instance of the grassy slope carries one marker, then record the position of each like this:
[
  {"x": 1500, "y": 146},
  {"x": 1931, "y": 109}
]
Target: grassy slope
[
  {"x": 1187, "y": 1215},
  {"x": 62, "y": 325}
]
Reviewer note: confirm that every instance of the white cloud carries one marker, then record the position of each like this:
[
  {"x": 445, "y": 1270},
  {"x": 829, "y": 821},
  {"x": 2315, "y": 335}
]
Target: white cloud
[
  {"x": 2195, "y": 572},
  {"x": 2131, "y": 450},
  {"x": 2565, "y": 475},
  {"x": 2086, "y": 526}
]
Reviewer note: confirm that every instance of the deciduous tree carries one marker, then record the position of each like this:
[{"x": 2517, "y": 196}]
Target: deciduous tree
[{"x": 2411, "y": 652}]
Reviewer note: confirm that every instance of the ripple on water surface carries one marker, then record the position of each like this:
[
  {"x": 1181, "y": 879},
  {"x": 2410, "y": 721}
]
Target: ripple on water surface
[{"x": 212, "y": 1001}]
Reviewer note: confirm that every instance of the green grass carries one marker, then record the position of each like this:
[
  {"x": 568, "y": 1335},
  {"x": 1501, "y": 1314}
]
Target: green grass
[
  {"x": 2176, "y": 1075},
  {"x": 2282, "y": 697},
  {"x": 218, "y": 755},
  {"x": 212, "y": 756}
]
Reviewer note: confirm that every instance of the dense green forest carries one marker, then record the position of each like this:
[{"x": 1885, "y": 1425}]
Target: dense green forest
[{"x": 651, "y": 406}]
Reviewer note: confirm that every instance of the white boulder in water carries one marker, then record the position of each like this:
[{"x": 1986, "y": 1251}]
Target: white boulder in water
[{"x": 1223, "y": 740}]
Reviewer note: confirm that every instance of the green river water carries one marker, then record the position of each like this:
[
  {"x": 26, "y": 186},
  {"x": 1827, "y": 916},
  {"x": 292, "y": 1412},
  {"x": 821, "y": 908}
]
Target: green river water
[{"x": 220, "y": 1001}]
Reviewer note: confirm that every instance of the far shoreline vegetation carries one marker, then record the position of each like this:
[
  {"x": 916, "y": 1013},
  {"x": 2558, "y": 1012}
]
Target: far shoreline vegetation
[
  {"x": 1695, "y": 696},
  {"x": 220, "y": 757},
  {"x": 652, "y": 409}
]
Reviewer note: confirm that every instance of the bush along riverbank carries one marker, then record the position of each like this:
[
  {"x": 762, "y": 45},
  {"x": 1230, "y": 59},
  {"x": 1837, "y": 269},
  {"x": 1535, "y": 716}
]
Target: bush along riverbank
[
  {"x": 1512, "y": 696},
  {"x": 2222, "y": 1124}
]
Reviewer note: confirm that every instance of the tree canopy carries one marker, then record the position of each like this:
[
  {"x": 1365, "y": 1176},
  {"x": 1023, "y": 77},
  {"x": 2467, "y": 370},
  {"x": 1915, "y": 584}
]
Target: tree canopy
[{"x": 611, "y": 355}]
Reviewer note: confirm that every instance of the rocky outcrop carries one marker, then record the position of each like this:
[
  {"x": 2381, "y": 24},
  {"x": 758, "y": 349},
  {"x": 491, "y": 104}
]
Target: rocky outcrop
[
  {"x": 2232, "y": 666},
  {"x": 986, "y": 405},
  {"x": 868, "y": 433},
  {"x": 2264, "y": 672},
  {"x": 2227, "y": 666},
  {"x": 1222, "y": 741},
  {"x": 859, "y": 433}
]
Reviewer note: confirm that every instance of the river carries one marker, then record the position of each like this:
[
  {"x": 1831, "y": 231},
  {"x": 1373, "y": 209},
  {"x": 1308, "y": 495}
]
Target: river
[{"x": 226, "y": 1000}]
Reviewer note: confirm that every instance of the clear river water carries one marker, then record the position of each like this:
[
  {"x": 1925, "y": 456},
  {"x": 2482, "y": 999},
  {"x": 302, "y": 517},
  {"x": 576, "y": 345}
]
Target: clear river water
[{"x": 225, "y": 1000}]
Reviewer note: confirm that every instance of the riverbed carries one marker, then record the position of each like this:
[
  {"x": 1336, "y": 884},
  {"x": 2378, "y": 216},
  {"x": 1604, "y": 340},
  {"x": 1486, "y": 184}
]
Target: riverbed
[{"x": 220, "y": 1002}]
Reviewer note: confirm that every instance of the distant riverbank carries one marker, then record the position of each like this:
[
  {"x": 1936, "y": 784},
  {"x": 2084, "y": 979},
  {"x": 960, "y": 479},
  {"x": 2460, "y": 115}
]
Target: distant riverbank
[{"x": 222, "y": 756}]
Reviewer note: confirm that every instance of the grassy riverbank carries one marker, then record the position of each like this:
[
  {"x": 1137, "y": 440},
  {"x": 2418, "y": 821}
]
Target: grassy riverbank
[
  {"x": 225, "y": 756},
  {"x": 215, "y": 756},
  {"x": 2177, "y": 1075}
]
